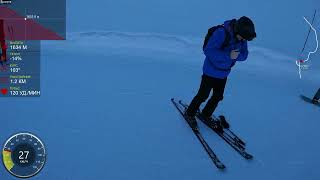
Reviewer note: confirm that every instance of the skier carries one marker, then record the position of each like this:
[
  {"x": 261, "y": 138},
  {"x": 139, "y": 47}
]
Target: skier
[
  {"x": 316, "y": 97},
  {"x": 226, "y": 46}
]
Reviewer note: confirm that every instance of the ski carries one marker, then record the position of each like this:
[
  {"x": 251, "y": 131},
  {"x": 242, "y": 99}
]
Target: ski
[
  {"x": 226, "y": 134},
  {"x": 309, "y": 100},
  {"x": 197, "y": 133}
]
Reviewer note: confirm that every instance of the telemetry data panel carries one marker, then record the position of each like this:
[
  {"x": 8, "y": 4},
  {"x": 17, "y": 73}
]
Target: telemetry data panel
[{"x": 20, "y": 74}]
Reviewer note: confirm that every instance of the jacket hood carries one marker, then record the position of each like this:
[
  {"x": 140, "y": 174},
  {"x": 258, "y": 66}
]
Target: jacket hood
[{"x": 229, "y": 26}]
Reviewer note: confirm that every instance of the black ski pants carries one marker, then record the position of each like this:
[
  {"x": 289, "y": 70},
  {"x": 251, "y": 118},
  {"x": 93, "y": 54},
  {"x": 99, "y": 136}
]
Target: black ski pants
[{"x": 207, "y": 84}]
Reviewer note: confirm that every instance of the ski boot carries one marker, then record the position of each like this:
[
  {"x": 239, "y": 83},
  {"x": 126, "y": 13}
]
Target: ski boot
[
  {"x": 216, "y": 125},
  {"x": 315, "y": 101},
  {"x": 191, "y": 120},
  {"x": 224, "y": 122}
]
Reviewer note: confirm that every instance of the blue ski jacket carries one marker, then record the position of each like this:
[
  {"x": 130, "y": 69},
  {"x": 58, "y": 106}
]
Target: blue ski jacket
[{"x": 218, "y": 62}]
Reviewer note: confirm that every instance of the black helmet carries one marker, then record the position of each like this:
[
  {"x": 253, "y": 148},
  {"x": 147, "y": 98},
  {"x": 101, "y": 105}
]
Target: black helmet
[{"x": 245, "y": 28}]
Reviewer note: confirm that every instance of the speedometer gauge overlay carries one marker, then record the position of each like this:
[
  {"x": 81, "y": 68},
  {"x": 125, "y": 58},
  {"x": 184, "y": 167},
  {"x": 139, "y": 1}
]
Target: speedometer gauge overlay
[{"x": 24, "y": 155}]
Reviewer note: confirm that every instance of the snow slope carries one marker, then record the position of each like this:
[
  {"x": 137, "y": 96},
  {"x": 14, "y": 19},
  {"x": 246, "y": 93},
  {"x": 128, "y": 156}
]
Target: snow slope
[
  {"x": 279, "y": 24},
  {"x": 105, "y": 111}
]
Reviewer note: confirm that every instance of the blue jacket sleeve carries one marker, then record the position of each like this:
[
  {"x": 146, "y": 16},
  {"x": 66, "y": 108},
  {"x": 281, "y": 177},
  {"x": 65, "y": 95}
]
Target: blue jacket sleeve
[
  {"x": 243, "y": 52},
  {"x": 218, "y": 57}
]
